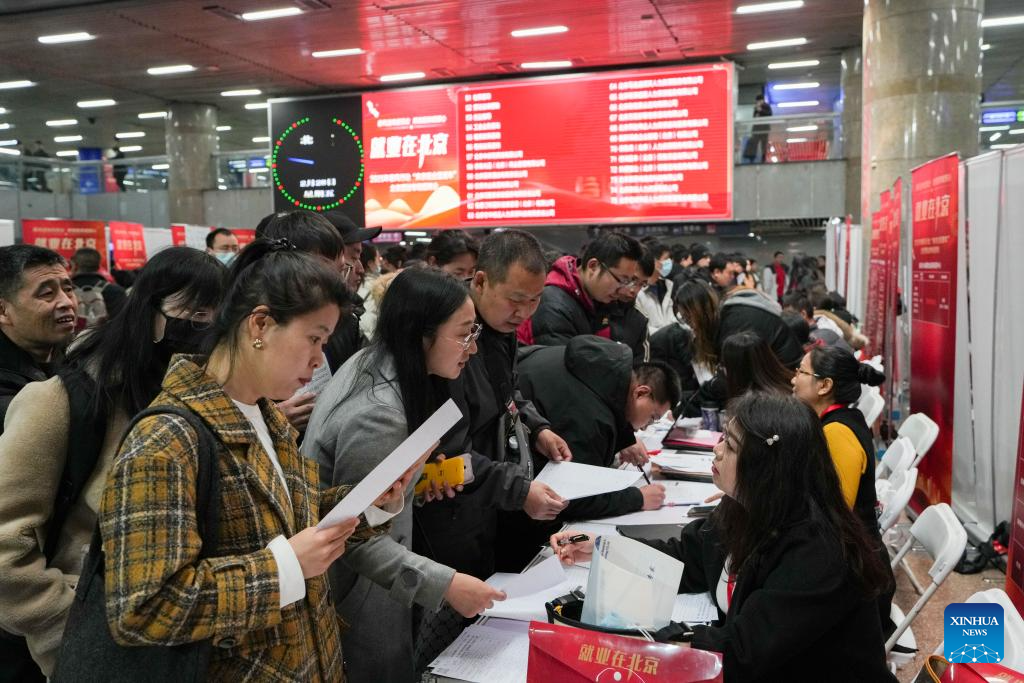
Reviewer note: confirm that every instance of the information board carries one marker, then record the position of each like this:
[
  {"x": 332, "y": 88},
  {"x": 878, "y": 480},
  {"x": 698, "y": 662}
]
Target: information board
[{"x": 66, "y": 237}]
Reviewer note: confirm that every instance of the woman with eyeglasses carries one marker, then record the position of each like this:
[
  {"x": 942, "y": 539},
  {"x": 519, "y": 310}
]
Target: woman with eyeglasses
[
  {"x": 61, "y": 436},
  {"x": 426, "y": 332}
]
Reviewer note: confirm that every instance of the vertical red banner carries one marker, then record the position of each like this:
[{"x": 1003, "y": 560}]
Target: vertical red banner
[
  {"x": 66, "y": 237},
  {"x": 934, "y": 194},
  {"x": 892, "y": 293},
  {"x": 875, "y": 305},
  {"x": 1015, "y": 559},
  {"x": 178, "y": 235},
  {"x": 129, "y": 245}
]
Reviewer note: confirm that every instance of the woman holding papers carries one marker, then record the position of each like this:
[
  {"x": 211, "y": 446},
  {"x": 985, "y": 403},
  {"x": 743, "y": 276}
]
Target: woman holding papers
[
  {"x": 791, "y": 569},
  {"x": 260, "y": 596},
  {"x": 426, "y": 332}
]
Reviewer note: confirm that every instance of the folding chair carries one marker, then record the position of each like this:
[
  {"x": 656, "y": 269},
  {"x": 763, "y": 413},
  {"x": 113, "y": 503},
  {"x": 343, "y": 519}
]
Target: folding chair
[
  {"x": 944, "y": 539},
  {"x": 898, "y": 457},
  {"x": 895, "y": 495},
  {"x": 871, "y": 404},
  {"x": 922, "y": 432},
  {"x": 1013, "y": 628}
]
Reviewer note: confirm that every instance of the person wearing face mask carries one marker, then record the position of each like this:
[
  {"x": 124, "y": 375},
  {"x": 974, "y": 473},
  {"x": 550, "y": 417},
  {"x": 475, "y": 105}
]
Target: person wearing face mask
[
  {"x": 53, "y": 476},
  {"x": 426, "y": 333},
  {"x": 655, "y": 299},
  {"x": 222, "y": 244}
]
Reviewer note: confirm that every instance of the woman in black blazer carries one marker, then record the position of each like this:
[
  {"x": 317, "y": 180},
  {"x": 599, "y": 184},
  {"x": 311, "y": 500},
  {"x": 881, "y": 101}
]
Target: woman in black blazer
[{"x": 789, "y": 566}]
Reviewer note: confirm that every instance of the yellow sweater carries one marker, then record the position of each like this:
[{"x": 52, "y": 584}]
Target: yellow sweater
[{"x": 849, "y": 458}]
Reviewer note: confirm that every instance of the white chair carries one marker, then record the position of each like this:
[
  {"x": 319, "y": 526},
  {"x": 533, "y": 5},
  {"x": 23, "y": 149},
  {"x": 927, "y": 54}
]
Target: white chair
[
  {"x": 922, "y": 432},
  {"x": 898, "y": 457},
  {"x": 1013, "y": 628},
  {"x": 944, "y": 539},
  {"x": 871, "y": 404},
  {"x": 895, "y": 495}
]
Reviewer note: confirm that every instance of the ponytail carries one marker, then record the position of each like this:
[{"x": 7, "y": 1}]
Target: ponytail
[{"x": 846, "y": 373}]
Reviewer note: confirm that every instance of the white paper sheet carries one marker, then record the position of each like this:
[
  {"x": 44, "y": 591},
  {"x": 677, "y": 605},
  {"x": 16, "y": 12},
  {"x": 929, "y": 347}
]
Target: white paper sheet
[
  {"x": 541, "y": 576},
  {"x": 694, "y": 608},
  {"x": 688, "y": 493},
  {"x": 672, "y": 515},
  {"x": 321, "y": 377},
  {"x": 394, "y": 466},
  {"x": 485, "y": 654},
  {"x": 529, "y": 607},
  {"x": 573, "y": 480}
]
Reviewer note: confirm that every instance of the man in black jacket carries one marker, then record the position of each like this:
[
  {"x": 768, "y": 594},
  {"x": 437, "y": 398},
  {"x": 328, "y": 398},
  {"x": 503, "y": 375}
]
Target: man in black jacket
[
  {"x": 595, "y": 398},
  {"x": 37, "y": 321}
]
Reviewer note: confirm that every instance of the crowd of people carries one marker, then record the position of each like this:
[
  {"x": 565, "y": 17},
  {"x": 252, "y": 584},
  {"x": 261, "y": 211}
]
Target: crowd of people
[{"x": 309, "y": 355}]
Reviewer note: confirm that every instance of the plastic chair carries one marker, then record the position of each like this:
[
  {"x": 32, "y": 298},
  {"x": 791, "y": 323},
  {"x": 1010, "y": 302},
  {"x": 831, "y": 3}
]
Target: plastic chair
[
  {"x": 922, "y": 432},
  {"x": 1013, "y": 628},
  {"x": 898, "y": 457},
  {"x": 894, "y": 496},
  {"x": 871, "y": 404},
  {"x": 944, "y": 539}
]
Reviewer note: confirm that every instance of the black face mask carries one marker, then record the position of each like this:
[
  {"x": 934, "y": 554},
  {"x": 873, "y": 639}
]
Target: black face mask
[{"x": 179, "y": 337}]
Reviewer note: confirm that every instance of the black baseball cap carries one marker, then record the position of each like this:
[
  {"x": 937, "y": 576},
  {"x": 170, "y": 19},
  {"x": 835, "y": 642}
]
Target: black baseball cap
[{"x": 350, "y": 232}]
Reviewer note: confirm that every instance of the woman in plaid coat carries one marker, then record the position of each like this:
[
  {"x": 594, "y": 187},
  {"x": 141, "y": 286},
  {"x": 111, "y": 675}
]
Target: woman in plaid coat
[{"x": 262, "y": 597}]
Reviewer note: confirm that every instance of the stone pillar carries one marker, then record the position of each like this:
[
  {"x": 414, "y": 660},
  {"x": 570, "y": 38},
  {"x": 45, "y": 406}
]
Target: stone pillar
[
  {"x": 191, "y": 131},
  {"x": 850, "y": 72}
]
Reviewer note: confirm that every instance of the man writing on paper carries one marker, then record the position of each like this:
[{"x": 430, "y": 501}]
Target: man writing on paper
[
  {"x": 460, "y": 531},
  {"x": 595, "y": 399}
]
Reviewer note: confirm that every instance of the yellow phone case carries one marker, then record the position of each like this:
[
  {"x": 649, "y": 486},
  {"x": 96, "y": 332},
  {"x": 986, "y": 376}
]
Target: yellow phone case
[{"x": 450, "y": 471}]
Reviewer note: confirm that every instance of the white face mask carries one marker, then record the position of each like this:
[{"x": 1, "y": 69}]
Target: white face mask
[
  {"x": 666, "y": 267},
  {"x": 225, "y": 257}
]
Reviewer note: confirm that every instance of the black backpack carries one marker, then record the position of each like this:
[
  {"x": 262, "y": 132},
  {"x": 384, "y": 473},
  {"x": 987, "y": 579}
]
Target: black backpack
[{"x": 88, "y": 652}]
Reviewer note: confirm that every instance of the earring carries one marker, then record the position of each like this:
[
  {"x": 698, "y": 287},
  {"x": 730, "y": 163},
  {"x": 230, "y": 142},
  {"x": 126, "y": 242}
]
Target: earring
[{"x": 257, "y": 343}]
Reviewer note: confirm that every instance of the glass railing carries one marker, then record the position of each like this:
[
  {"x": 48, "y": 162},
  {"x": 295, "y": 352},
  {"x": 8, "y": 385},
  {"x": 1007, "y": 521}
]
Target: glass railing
[{"x": 789, "y": 138}]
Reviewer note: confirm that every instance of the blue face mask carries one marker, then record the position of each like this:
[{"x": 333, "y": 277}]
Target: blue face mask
[
  {"x": 225, "y": 257},
  {"x": 666, "y": 267}
]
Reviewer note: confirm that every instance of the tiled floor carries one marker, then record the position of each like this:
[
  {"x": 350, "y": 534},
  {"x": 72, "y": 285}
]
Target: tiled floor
[{"x": 928, "y": 625}]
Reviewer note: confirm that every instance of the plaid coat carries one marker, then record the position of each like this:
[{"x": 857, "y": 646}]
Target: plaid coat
[{"x": 157, "y": 590}]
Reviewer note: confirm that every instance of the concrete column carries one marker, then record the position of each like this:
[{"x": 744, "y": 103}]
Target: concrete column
[
  {"x": 850, "y": 72},
  {"x": 191, "y": 131}
]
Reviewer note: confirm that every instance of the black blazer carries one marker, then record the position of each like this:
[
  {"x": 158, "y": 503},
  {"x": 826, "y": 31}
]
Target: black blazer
[{"x": 795, "y": 614}]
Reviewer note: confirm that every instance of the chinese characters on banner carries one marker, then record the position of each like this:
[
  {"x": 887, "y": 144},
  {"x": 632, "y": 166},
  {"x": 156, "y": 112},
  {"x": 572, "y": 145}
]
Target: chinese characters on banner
[
  {"x": 129, "y": 245},
  {"x": 892, "y": 294},
  {"x": 1015, "y": 560},
  {"x": 66, "y": 237},
  {"x": 933, "y": 314}
]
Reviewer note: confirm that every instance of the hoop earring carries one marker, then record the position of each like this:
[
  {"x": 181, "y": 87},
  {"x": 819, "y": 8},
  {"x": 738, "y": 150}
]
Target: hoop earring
[{"x": 257, "y": 343}]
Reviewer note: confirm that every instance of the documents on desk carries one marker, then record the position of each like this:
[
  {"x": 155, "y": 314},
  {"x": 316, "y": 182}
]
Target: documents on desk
[
  {"x": 630, "y": 584},
  {"x": 680, "y": 496},
  {"x": 690, "y": 465},
  {"x": 527, "y": 592},
  {"x": 493, "y": 652},
  {"x": 572, "y": 480}
]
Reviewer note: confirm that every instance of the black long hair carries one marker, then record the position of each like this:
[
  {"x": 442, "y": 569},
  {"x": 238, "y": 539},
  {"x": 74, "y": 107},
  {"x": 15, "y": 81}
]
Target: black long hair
[
  {"x": 120, "y": 353},
  {"x": 418, "y": 301},
  {"x": 750, "y": 364},
  {"x": 697, "y": 305},
  {"x": 786, "y": 481},
  {"x": 274, "y": 274},
  {"x": 845, "y": 371},
  {"x": 448, "y": 245}
]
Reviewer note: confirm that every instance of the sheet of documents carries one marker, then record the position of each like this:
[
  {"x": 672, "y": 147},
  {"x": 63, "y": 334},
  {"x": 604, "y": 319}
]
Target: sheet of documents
[
  {"x": 394, "y": 466},
  {"x": 572, "y": 480},
  {"x": 687, "y": 492},
  {"x": 486, "y": 654},
  {"x": 672, "y": 515},
  {"x": 541, "y": 576},
  {"x": 321, "y": 376},
  {"x": 529, "y": 607},
  {"x": 694, "y": 608}
]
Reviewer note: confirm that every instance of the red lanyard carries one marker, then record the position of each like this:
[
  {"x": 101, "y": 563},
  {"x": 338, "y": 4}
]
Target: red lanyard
[
  {"x": 834, "y": 406},
  {"x": 730, "y": 586}
]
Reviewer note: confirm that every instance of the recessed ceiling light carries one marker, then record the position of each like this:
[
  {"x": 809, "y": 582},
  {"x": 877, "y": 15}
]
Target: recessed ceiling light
[
  {"x": 221, "y": 129},
  {"x": 256, "y": 105},
  {"x": 260, "y": 15},
  {"x": 160, "y": 167},
  {"x": 1002, "y": 21},
  {"x": 241, "y": 93},
  {"x": 4, "y": 111},
  {"x": 995, "y": 136},
  {"x": 6, "y": 126},
  {"x": 9, "y": 85},
  {"x": 68, "y": 138},
  {"x": 171, "y": 69},
  {"x": 58, "y": 123},
  {"x": 130, "y": 134},
  {"x": 793, "y": 105},
  {"x": 1017, "y": 131},
  {"x": 65, "y": 38},
  {"x": 794, "y": 140},
  {"x": 409, "y": 76},
  {"x": 12, "y": 152},
  {"x": 67, "y": 152},
  {"x": 769, "y": 7},
  {"x": 794, "y": 65},
  {"x": 989, "y": 129},
  {"x": 8, "y": 143},
  {"x": 985, "y": 46},
  {"x": 131, "y": 148},
  {"x": 796, "y": 86},
  {"x": 261, "y": 138},
  {"x": 554, "y": 64},
  {"x": 153, "y": 115},
  {"x": 344, "y": 52},
  {"x": 92, "y": 104},
  {"x": 539, "y": 31},
  {"x": 802, "y": 129},
  {"x": 769, "y": 44}
]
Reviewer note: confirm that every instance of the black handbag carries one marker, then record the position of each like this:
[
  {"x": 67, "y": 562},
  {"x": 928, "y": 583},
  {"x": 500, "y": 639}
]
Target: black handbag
[
  {"x": 568, "y": 609},
  {"x": 88, "y": 652}
]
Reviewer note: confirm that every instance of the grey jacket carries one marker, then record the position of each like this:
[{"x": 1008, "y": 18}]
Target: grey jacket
[{"x": 358, "y": 420}]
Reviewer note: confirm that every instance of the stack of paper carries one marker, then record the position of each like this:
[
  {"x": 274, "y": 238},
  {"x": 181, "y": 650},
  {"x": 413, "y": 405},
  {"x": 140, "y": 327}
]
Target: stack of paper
[
  {"x": 685, "y": 464},
  {"x": 495, "y": 652},
  {"x": 694, "y": 608},
  {"x": 527, "y": 592},
  {"x": 573, "y": 480}
]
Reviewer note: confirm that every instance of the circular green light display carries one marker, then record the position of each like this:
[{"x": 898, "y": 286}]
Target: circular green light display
[{"x": 308, "y": 158}]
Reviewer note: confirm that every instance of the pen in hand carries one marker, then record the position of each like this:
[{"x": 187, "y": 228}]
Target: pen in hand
[
  {"x": 578, "y": 538},
  {"x": 646, "y": 478}
]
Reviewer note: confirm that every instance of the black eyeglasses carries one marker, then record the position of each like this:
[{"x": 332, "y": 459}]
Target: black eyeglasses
[{"x": 629, "y": 283}]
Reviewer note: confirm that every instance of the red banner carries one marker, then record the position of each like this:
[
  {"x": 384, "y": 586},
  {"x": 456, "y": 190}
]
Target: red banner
[
  {"x": 878, "y": 276},
  {"x": 892, "y": 294},
  {"x": 933, "y": 315},
  {"x": 244, "y": 236},
  {"x": 1015, "y": 560},
  {"x": 66, "y": 237},
  {"x": 129, "y": 245}
]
